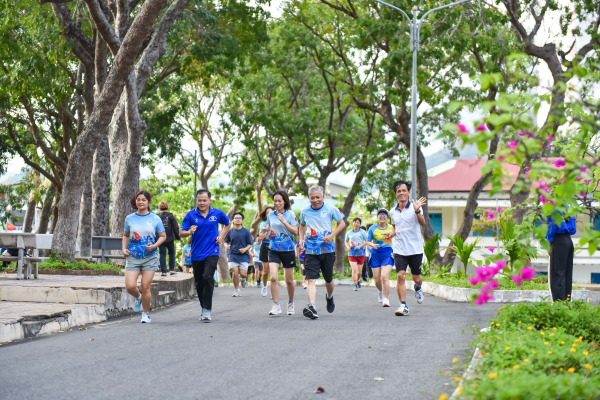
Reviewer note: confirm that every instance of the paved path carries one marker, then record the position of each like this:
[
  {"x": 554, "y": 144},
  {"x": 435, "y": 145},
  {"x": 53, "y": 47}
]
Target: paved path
[{"x": 244, "y": 354}]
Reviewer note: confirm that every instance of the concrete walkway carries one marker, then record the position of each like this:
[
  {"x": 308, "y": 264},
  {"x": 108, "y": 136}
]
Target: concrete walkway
[{"x": 245, "y": 354}]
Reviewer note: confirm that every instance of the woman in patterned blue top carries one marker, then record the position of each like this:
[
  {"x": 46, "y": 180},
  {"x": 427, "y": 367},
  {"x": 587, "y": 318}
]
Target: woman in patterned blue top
[
  {"x": 356, "y": 240},
  {"x": 264, "y": 241},
  {"x": 283, "y": 226},
  {"x": 139, "y": 249}
]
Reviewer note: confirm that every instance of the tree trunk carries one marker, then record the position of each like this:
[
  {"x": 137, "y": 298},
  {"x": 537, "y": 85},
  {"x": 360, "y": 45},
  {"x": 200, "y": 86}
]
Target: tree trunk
[
  {"x": 46, "y": 210},
  {"x": 423, "y": 191},
  {"x": 80, "y": 168},
  {"x": 54, "y": 214},
  {"x": 29, "y": 214},
  {"x": 84, "y": 231},
  {"x": 101, "y": 189},
  {"x": 223, "y": 266}
]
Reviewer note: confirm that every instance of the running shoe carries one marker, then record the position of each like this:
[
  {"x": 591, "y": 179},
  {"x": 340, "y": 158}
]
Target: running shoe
[
  {"x": 359, "y": 286},
  {"x": 264, "y": 291},
  {"x": 137, "y": 306},
  {"x": 244, "y": 283},
  {"x": 386, "y": 302},
  {"x": 310, "y": 312},
  {"x": 237, "y": 293},
  {"x": 276, "y": 309},
  {"x": 419, "y": 295},
  {"x": 330, "y": 304},
  {"x": 356, "y": 287},
  {"x": 205, "y": 315},
  {"x": 291, "y": 310},
  {"x": 380, "y": 296},
  {"x": 402, "y": 310},
  {"x": 258, "y": 285},
  {"x": 146, "y": 318}
]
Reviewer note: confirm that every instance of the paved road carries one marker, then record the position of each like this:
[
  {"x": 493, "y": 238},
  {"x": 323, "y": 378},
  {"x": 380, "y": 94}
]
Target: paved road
[{"x": 245, "y": 354}]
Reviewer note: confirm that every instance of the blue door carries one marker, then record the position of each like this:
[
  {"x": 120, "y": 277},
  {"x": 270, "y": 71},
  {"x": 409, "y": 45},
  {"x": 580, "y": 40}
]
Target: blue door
[
  {"x": 595, "y": 278},
  {"x": 436, "y": 222}
]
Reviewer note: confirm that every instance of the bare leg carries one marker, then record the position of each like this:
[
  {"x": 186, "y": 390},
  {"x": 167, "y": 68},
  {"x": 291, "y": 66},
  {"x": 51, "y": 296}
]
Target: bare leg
[
  {"x": 311, "y": 290},
  {"x": 235, "y": 271},
  {"x": 355, "y": 273},
  {"x": 147, "y": 277},
  {"x": 131, "y": 278},
  {"x": 265, "y": 273},
  {"x": 329, "y": 286},
  {"x": 288, "y": 274},
  {"x": 401, "y": 287},
  {"x": 418, "y": 279},
  {"x": 377, "y": 278},
  {"x": 274, "y": 269},
  {"x": 385, "y": 280},
  {"x": 244, "y": 274}
]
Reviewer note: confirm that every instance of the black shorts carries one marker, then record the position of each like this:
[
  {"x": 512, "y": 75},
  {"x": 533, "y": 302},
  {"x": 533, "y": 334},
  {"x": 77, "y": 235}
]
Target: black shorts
[
  {"x": 314, "y": 264},
  {"x": 286, "y": 258},
  {"x": 263, "y": 255},
  {"x": 413, "y": 261},
  {"x": 250, "y": 269}
]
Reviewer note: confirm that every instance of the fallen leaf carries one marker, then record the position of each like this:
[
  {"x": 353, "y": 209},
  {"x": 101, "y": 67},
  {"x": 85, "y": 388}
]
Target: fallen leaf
[
  {"x": 378, "y": 379},
  {"x": 102, "y": 324},
  {"x": 291, "y": 338},
  {"x": 369, "y": 346},
  {"x": 91, "y": 339},
  {"x": 130, "y": 319},
  {"x": 61, "y": 331},
  {"x": 319, "y": 390}
]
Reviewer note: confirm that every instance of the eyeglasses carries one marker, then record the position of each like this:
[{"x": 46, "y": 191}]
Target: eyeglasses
[
  {"x": 237, "y": 217},
  {"x": 384, "y": 214}
]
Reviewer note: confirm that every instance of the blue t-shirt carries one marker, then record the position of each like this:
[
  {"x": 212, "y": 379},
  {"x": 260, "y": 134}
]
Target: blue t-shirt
[
  {"x": 302, "y": 252},
  {"x": 204, "y": 240},
  {"x": 280, "y": 238},
  {"x": 569, "y": 226},
  {"x": 263, "y": 225},
  {"x": 142, "y": 232},
  {"x": 318, "y": 225},
  {"x": 375, "y": 235},
  {"x": 238, "y": 239},
  {"x": 187, "y": 254},
  {"x": 356, "y": 238},
  {"x": 256, "y": 251}
]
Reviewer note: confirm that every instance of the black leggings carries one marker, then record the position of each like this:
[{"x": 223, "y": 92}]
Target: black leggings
[
  {"x": 163, "y": 249},
  {"x": 204, "y": 278},
  {"x": 561, "y": 267}
]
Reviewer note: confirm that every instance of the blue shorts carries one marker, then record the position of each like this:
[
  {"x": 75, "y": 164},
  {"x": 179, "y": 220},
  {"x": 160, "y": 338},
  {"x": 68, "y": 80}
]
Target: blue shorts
[{"x": 383, "y": 256}]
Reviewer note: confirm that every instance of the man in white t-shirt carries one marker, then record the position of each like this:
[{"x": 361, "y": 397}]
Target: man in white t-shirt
[{"x": 407, "y": 219}]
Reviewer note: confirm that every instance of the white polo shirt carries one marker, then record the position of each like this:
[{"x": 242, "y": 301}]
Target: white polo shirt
[{"x": 408, "y": 240}]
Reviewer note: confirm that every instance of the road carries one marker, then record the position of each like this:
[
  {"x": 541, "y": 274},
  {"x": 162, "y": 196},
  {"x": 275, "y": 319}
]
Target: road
[{"x": 245, "y": 354}]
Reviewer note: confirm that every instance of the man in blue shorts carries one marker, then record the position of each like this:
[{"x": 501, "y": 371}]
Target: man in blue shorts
[
  {"x": 316, "y": 237},
  {"x": 203, "y": 224}
]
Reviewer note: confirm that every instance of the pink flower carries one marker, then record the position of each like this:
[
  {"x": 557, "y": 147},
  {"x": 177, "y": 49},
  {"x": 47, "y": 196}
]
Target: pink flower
[
  {"x": 512, "y": 144},
  {"x": 584, "y": 170},
  {"x": 462, "y": 128},
  {"x": 544, "y": 187},
  {"x": 491, "y": 215},
  {"x": 552, "y": 202},
  {"x": 500, "y": 209},
  {"x": 527, "y": 274},
  {"x": 500, "y": 158},
  {"x": 587, "y": 182},
  {"x": 485, "y": 295},
  {"x": 500, "y": 265},
  {"x": 550, "y": 138},
  {"x": 559, "y": 163},
  {"x": 543, "y": 199},
  {"x": 523, "y": 133},
  {"x": 491, "y": 249},
  {"x": 582, "y": 194},
  {"x": 481, "y": 127},
  {"x": 542, "y": 144},
  {"x": 579, "y": 177}
]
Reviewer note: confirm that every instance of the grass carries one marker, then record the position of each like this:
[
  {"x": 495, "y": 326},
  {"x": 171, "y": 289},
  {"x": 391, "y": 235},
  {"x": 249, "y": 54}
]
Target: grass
[
  {"x": 539, "y": 351},
  {"x": 538, "y": 283},
  {"x": 78, "y": 265}
]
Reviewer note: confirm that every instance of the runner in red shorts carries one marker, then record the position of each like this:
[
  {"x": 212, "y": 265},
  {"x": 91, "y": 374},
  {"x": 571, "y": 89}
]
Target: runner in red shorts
[{"x": 356, "y": 240}]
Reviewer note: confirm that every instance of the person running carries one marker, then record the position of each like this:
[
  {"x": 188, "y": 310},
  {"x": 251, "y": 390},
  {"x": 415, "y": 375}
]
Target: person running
[
  {"x": 316, "y": 237},
  {"x": 172, "y": 231},
  {"x": 382, "y": 260},
  {"x": 300, "y": 255},
  {"x": 258, "y": 268},
  {"x": 202, "y": 223},
  {"x": 407, "y": 219},
  {"x": 239, "y": 242},
  {"x": 139, "y": 248},
  {"x": 186, "y": 255},
  {"x": 355, "y": 245},
  {"x": 282, "y": 225},
  {"x": 264, "y": 240}
]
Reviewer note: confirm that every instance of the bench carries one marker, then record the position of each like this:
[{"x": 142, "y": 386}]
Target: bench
[
  {"x": 109, "y": 243},
  {"x": 20, "y": 241}
]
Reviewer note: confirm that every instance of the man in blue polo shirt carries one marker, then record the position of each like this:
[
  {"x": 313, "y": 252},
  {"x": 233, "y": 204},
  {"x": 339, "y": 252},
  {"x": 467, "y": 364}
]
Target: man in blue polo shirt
[
  {"x": 203, "y": 224},
  {"x": 560, "y": 270}
]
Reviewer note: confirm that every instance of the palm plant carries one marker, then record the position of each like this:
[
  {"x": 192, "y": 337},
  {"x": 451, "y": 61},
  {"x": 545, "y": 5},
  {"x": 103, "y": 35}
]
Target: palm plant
[
  {"x": 431, "y": 249},
  {"x": 463, "y": 250}
]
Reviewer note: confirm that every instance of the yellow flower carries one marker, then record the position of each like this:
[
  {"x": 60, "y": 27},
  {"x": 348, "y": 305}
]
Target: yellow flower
[
  {"x": 534, "y": 352},
  {"x": 507, "y": 348},
  {"x": 580, "y": 338},
  {"x": 563, "y": 342},
  {"x": 497, "y": 324},
  {"x": 474, "y": 386},
  {"x": 562, "y": 369},
  {"x": 573, "y": 350},
  {"x": 526, "y": 360},
  {"x": 516, "y": 367},
  {"x": 588, "y": 366},
  {"x": 519, "y": 322},
  {"x": 455, "y": 360},
  {"x": 571, "y": 370},
  {"x": 574, "y": 345},
  {"x": 585, "y": 353},
  {"x": 554, "y": 328},
  {"x": 549, "y": 352},
  {"x": 457, "y": 378},
  {"x": 459, "y": 390},
  {"x": 542, "y": 333},
  {"x": 546, "y": 343},
  {"x": 444, "y": 397},
  {"x": 552, "y": 334},
  {"x": 493, "y": 375},
  {"x": 535, "y": 319},
  {"x": 529, "y": 328}
]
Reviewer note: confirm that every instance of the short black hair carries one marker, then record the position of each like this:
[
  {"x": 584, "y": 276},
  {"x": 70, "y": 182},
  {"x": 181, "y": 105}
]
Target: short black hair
[
  {"x": 357, "y": 219},
  {"x": 238, "y": 213},
  {"x": 286, "y": 199},
  {"x": 203, "y": 191},
  {"x": 398, "y": 183},
  {"x": 362, "y": 227}
]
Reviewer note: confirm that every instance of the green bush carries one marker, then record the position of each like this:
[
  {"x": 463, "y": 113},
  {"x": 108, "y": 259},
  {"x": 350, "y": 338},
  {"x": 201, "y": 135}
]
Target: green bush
[
  {"x": 457, "y": 280},
  {"x": 77, "y": 265}
]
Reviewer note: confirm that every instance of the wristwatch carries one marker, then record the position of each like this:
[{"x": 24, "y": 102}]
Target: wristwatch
[{"x": 419, "y": 212}]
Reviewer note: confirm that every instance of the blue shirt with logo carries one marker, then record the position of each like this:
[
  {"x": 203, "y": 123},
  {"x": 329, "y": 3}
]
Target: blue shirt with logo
[
  {"x": 187, "y": 254},
  {"x": 280, "y": 238},
  {"x": 569, "y": 226},
  {"x": 356, "y": 238},
  {"x": 204, "y": 240},
  {"x": 142, "y": 232},
  {"x": 263, "y": 225},
  {"x": 319, "y": 223}
]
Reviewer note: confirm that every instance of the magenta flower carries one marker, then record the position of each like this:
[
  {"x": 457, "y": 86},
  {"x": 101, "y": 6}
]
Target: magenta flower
[
  {"x": 485, "y": 295},
  {"x": 552, "y": 202},
  {"x": 543, "y": 199},
  {"x": 500, "y": 209},
  {"x": 500, "y": 158},
  {"x": 582, "y": 194},
  {"x": 544, "y": 187},
  {"x": 579, "y": 177},
  {"x": 550, "y": 138},
  {"x": 481, "y": 127},
  {"x": 462, "y": 128},
  {"x": 491, "y": 249},
  {"x": 587, "y": 182},
  {"x": 584, "y": 170},
  {"x": 527, "y": 274},
  {"x": 559, "y": 163},
  {"x": 500, "y": 265},
  {"x": 512, "y": 144},
  {"x": 522, "y": 133}
]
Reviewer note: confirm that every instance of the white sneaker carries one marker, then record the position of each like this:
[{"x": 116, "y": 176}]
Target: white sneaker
[
  {"x": 380, "y": 296},
  {"x": 402, "y": 310},
  {"x": 264, "y": 291},
  {"x": 244, "y": 282},
  {"x": 276, "y": 309},
  {"x": 386, "y": 302},
  {"x": 237, "y": 293},
  {"x": 291, "y": 310},
  {"x": 419, "y": 295},
  {"x": 146, "y": 318}
]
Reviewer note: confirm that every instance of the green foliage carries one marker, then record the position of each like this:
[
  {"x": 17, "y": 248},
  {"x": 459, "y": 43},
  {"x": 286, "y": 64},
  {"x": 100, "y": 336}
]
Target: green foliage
[
  {"x": 463, "y": 250},
  {"x": 459, "y": 280},
  {"x": 431, "y": 249},
  {"x": 77, "y": 265},
  {"x": 516, "y": 244}
]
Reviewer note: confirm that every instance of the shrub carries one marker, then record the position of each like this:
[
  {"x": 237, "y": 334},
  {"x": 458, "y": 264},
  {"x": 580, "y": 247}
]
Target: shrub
[{"x": 77, "y": 265}]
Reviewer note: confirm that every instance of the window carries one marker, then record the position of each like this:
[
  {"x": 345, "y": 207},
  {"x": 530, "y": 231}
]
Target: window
[
  {"x": 489, "y": 232},
  {"x": 436, "y": 222}
]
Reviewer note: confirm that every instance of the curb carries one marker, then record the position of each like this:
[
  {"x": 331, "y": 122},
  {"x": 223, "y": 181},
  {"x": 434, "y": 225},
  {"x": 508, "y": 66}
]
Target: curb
[
  {"x": 468, "y": 373},
  {"x": 79, "y": 272}
]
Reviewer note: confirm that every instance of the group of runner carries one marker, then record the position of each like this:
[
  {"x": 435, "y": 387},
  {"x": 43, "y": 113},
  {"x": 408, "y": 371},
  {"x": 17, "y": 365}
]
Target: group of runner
[{"x": 395, "y": 241}]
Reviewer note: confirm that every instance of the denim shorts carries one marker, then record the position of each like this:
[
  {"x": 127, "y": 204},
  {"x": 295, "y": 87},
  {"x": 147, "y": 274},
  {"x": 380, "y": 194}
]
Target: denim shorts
[
  {"x": 139, "y": 264},
  {"x": 241, "y": 265}
]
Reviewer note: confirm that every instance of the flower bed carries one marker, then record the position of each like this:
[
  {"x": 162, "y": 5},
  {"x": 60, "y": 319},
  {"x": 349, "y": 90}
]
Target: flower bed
[
  {"x": 538, "y": 351},
  {"x": 77, "y": 266},
  {"x": 537, "y": 283}
]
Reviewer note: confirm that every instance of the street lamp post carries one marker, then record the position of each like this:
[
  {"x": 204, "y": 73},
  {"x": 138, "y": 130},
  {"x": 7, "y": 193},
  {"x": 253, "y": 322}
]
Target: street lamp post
[{"x": 415, "y": 30}]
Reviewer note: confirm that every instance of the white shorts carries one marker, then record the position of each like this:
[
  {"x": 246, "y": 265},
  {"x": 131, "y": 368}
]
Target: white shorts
[{"x": 241, "y": 265}]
